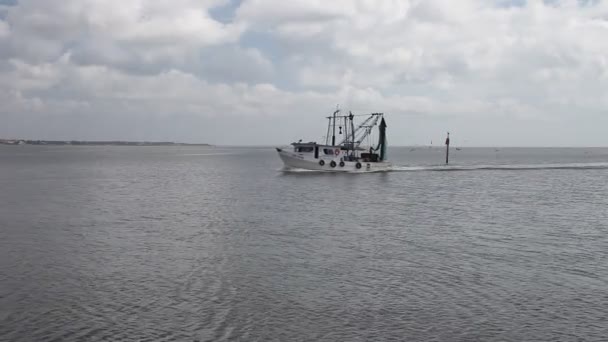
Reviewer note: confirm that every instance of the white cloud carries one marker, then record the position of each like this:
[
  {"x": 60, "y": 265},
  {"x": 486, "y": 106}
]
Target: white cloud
[
  {"x": 148, "y": 29},
  {"x": 468, "y": 49},
  {"x": 264, "y": 12},
  {"x": 4, "y": 31},
  {"x": 466, "y": 60}
]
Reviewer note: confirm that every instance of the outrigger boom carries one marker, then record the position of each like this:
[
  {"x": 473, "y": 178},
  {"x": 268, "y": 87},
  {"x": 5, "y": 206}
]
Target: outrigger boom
[{"x": 348, "y": 154}]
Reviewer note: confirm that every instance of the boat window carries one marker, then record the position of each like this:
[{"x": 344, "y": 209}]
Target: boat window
[
  {"x": 304, "y": 149},
  {"x": 328, "y": 150}
]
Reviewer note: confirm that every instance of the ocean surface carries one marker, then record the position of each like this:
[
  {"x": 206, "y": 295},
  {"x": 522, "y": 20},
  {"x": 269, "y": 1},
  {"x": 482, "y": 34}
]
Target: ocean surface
[{"x": 118, "y": 243}]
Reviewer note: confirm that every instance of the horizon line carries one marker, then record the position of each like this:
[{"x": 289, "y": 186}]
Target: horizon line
[{"x": 270, "y": 145}]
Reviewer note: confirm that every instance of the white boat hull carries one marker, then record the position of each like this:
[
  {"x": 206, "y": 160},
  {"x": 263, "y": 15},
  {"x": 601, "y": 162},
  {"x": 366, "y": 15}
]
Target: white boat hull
[{"x": 294, "y": 160}]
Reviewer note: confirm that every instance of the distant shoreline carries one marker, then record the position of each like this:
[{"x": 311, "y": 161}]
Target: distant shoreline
[{"x": 93, "y": 143}]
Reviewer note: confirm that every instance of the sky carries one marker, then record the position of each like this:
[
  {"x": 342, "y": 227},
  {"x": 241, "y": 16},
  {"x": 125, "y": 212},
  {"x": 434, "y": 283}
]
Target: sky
[{"x": 268, "y": 72}]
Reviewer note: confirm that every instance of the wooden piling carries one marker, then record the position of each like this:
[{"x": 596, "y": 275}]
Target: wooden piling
[{"x": 447, "y": 149}]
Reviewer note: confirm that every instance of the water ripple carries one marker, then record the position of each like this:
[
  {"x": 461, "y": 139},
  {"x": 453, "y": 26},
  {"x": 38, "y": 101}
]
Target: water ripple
[{"x": 136, "y": 244}]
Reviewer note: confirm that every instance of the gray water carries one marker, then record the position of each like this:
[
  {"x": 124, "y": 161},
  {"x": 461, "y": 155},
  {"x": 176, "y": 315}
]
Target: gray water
[{"x": 218, "y": 244}]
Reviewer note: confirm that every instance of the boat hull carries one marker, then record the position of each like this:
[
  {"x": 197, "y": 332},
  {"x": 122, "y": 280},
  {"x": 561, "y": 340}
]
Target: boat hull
[{"x": 298, "y": 161}]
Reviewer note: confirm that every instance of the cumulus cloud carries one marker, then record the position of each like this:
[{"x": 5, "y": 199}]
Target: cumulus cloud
[
  {"x": 436, "y": 64},
  {"x": 3, "y": 29}
]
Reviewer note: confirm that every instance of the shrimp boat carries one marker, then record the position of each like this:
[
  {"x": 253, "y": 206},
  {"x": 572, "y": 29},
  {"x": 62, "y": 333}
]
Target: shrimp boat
[{"x": 355, "y": 152}]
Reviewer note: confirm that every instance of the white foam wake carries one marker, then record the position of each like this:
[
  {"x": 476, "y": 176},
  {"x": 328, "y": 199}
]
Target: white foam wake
[{"x": 559, "y": 166}]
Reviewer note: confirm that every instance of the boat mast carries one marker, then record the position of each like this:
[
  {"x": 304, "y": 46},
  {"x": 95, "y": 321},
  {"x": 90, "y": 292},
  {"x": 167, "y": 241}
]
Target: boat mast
[
  {"x": 365, "y": 129},
  {"x": 352, "y": 128},
  {"x": 333, "y": 137},
  {"x": 327, "y": 135},
  {"x": 356, "y": 136}
]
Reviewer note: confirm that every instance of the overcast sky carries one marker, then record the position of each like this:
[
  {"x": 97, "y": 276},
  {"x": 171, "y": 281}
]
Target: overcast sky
[{"x": 257, "y": 72}]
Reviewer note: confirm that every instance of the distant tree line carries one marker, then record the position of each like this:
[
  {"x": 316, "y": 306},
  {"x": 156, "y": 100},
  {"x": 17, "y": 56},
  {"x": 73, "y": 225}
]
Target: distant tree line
[{"x": 91, "y": 143}]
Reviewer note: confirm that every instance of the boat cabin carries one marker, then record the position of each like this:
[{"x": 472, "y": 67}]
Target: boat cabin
[
  {"x": 317, "y": 150},
  {"x": 304, "y": 147},
  {"x": 314, "y": 150}
]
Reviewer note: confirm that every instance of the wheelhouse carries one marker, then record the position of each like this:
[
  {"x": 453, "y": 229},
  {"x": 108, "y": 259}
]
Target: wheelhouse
[
  {"x": 304, "y": 147},
  {"x": 317, "y": 151}
]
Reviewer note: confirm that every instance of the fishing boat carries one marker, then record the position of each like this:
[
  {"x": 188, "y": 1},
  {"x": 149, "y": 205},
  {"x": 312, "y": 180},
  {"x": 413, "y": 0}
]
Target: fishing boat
[{"x": 355, "y": 151}]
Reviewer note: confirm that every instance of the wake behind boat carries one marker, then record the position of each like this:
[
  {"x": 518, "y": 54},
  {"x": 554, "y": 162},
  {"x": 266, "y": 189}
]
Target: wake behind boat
[{"x": 351, "y": 154}]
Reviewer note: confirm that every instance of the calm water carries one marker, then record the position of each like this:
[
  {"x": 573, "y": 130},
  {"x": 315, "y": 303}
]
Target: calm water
[{"x": 217, "y": 244}]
